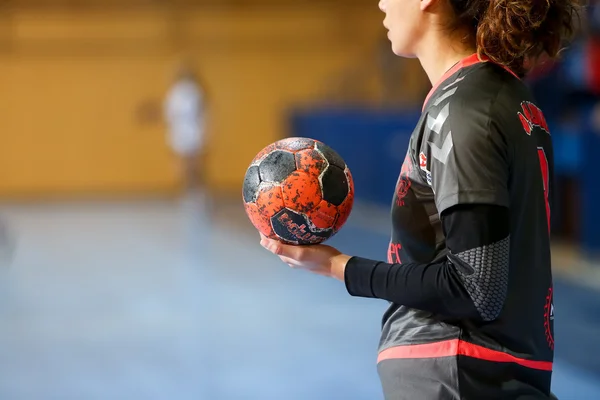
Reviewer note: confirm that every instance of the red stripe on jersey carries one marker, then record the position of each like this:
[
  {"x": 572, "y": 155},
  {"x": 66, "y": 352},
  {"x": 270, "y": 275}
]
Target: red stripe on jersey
[
  {"x": 456, "y": 347},
  {"x": 465, "y": 62}
]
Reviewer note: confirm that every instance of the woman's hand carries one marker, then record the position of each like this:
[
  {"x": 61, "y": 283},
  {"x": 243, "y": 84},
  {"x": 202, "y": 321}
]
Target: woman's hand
[{"x": 319, "y": 259}]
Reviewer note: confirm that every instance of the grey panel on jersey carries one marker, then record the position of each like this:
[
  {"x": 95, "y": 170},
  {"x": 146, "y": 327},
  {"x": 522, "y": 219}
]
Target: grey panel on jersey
[
  {"x": 484, "y": 274},
  {"x": 404, "y": 379}
]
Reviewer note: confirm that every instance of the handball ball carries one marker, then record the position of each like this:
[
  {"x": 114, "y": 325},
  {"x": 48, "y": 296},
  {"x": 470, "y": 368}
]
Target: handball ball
[{"x": 298, "y": 191}]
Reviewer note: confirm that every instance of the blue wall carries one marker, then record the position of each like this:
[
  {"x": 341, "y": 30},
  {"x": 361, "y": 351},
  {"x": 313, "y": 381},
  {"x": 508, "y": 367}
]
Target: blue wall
[{"x": 372, "y": 142}]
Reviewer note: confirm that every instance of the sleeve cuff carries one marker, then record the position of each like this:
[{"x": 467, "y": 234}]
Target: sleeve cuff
[
  {"x": 358, "y": 277},
  {"x": 488, "y": 197}
]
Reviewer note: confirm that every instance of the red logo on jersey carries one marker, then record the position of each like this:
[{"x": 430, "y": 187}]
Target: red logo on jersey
[
  {"x": 404, "y": 181},
  {"x": 532, "y": 117},
  {"x": 423, "y": 161},
  {"x": 423, "y": 166},
  {"x": 394, "y": 253},
  {"x": 549, "y": 318}
]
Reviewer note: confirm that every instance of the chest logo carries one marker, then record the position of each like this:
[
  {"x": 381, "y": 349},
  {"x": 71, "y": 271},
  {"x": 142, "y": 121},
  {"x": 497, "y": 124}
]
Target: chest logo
[
  {"x": 404, "y": 182},
  {"x": 423, "y": 167}
]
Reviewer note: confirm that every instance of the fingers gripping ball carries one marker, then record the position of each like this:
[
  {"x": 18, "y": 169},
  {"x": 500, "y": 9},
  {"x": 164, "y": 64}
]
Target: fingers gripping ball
[{"x": 298, "y": 191}]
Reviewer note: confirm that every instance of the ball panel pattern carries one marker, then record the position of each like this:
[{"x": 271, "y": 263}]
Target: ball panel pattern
[
  {"x": 301, "y": 192},
  {"x": 251, "y": 184},
  {"x": 335, "y": 185},
  {"x": 260, "y": 221},
  {"x": 269, "y": 200},
  {"x": 345, "y": 208},
  {"x": 277, "y": 166},
  {"x": 295, "y": 144},
  {"x": 324, "y": 215},
  {"x": 331, "y": 155},
  {"x": 310, "y": 161},
  {"x": 294, "y": 227},
  {"x": 263, "y": 153}
]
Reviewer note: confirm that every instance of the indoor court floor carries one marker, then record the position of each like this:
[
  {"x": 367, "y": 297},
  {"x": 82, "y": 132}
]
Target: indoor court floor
[{"x": 171, "y": 300}]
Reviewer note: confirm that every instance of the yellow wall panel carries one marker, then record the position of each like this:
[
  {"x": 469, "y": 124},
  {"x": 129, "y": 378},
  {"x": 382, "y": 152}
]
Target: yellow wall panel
[
  {"x": 73, "y": 84},
  {"x": 50, "y": 25},
  {"x": 257, "y": 27},
  {"x": 250, "y": 108},
  {"x": 71, "y": 125}
]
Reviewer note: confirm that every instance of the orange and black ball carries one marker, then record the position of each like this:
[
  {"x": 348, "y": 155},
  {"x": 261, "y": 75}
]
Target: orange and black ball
[{"x": 298, "y": 191}]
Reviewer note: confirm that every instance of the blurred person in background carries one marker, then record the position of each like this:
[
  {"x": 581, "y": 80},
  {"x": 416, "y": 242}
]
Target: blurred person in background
[
  {"x": 185, "y": 113},
  {"x": 468, "y": 273},
  {"x": 593, "y": 59},
  {"x": 7, "y": 243},
  {"x": 569, "y": 87}
]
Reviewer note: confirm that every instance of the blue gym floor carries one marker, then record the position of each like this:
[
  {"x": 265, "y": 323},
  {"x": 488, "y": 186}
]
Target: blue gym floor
[{"x": 168, "y": 300}]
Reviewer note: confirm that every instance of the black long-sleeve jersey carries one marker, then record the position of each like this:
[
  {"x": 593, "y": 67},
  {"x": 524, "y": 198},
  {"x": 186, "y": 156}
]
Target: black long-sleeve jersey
[{"x": 469, "y": 271}]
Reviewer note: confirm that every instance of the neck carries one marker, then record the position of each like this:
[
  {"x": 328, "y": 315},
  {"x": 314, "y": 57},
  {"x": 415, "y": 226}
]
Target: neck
[{"x": 438, "y": 54}]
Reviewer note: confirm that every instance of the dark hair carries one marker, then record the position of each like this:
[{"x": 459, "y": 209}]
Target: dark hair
[{"x": 515, "y": 33}]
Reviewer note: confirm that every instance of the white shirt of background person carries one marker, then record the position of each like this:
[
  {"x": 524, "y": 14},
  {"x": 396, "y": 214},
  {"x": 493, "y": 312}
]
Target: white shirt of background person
[{"x": 184, "y": 116}]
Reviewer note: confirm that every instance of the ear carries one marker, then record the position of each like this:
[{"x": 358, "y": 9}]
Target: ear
[{"x": 427, "y": 4}]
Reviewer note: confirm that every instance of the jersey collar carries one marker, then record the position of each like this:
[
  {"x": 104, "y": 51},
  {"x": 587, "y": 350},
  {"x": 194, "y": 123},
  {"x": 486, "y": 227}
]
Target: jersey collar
[{"x": 464, "y": 63}]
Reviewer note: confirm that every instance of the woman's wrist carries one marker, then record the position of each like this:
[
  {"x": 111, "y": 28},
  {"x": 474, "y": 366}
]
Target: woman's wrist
[{"x": 338, "y": 266}]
